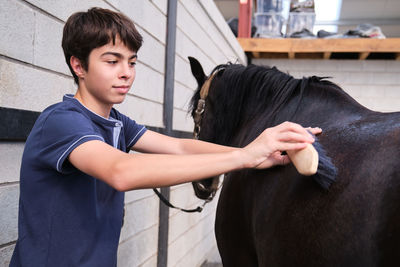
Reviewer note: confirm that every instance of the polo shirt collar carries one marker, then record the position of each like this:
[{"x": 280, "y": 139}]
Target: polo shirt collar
[{"x": 94, "y": 116}]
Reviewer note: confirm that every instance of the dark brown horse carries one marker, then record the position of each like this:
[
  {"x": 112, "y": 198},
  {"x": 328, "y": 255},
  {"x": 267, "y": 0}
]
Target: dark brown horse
[{"x": 277, "y": 217}]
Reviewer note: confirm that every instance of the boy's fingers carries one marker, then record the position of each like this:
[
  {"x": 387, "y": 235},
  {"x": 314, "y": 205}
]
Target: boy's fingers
[
  {"x": 290, "y": 126},
  {"x": 314, "y": 130},
  {"x": 282, "y": 159},
  {"x": 295, "y": 137},
  {"x": 294, "y": 127},
  {"x": 274, "y": 159},
  {"x": 285, "y": 146}
]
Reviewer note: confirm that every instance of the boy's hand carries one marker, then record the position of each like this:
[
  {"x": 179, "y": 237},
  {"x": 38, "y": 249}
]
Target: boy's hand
[{"x": 265, "y": 151}]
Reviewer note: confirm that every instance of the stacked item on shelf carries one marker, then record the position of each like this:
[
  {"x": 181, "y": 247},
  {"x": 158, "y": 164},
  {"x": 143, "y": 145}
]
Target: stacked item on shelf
[
  {"x": 301, "y": 19},
  {"x": 364, "y": 30},
  {"x": 268, "y": 18}
]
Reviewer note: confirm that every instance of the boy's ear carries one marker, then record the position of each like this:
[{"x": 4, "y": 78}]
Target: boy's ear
[{"x": 76, "y": 65}]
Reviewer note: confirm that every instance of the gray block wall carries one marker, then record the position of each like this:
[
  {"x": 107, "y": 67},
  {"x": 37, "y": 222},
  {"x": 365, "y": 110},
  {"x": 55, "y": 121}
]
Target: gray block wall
[
  {"x": 33, "y": 75},
  {"x": 373, "y": 83}
]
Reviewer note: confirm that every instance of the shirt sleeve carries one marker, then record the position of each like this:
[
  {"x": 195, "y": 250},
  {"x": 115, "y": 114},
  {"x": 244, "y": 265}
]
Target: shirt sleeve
[
  {"x": 133, "y": 131},
  {"x": 62, "y": 132}
]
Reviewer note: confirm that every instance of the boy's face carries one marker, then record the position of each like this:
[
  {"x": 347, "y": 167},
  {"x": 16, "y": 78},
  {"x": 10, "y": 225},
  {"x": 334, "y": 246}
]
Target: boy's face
[{"x": 110, "y": 74}]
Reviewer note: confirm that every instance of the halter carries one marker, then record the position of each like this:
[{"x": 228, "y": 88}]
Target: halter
[{"x": 198, "y": 115}]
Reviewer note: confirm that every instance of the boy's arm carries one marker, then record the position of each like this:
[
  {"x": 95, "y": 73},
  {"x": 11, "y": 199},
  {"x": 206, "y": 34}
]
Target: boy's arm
[
  {"x": 152, "y": 142},
  {"x": 125, "y": 171},
  {"x": 132, "y": 171}
]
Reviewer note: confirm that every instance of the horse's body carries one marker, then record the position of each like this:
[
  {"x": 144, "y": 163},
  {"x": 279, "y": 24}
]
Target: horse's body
[{"x": 276, "y": 217}]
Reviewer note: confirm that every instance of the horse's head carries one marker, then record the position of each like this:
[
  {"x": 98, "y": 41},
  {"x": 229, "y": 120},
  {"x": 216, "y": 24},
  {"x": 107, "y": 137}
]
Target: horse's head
[
  {"x": 225, "y": 102},
  {"x": 204, "y": 122},
  {"x": 219, "y": 112}
]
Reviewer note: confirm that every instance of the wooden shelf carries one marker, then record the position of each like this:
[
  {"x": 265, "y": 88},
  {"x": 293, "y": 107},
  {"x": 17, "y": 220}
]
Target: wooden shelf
[{"x": 293, "y": 48}]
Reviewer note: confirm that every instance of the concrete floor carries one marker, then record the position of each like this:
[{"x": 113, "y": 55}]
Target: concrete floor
[{"x": 211, "y": 264}]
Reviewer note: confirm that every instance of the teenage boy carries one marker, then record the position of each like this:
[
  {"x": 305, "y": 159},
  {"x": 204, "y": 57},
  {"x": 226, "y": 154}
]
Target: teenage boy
[{"x": 75, "y": 167}]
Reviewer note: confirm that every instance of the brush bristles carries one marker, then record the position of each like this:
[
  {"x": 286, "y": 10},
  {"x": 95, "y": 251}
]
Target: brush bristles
[{"x": 327, "y": 172}]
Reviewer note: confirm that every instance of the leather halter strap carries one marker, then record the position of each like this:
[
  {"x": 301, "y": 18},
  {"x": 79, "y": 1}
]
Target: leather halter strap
[
  {"x": 206, "y": 86},
  {"x": 201, "y": 104}
]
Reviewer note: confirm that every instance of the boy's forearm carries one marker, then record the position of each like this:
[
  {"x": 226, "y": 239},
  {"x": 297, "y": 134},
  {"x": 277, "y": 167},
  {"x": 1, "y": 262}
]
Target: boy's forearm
[
  {"x": 149, "y": 171},
  {"x": 191, "y": 146}
]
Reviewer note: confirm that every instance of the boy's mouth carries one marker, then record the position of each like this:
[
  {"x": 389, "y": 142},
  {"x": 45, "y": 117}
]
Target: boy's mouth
[{"x": 123, "y": 89}]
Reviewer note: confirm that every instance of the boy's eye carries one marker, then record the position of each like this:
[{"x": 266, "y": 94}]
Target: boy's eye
[
  {"x": 112, "y": 62},
  {"x": 132, "y": 63}
]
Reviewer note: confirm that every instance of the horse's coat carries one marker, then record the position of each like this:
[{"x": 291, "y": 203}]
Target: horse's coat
[{"x": 276, "y": 217}]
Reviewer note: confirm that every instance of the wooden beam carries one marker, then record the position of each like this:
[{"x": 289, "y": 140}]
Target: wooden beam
[
  {"x": 356, "y": 45},
  {"x": 291, "y": 55},
  {"x": 397, "y": 56},
  {"x": 245, "y": 11}
]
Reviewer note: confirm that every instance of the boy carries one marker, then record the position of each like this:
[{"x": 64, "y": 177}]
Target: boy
[{"x": 75, "y": 169}]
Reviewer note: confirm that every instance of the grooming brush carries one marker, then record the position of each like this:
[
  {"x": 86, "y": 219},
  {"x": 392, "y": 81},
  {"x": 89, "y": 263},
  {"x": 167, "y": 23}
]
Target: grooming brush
[{"x": 313, "y": 161}]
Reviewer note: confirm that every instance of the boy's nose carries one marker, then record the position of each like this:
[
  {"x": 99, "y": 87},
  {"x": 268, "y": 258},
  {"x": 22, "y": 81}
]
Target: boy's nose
[{"x": 126, "y": 72}]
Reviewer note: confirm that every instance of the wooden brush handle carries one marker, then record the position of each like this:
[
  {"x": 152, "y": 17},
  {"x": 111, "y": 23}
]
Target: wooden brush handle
[{"x": 305, "y": 160}]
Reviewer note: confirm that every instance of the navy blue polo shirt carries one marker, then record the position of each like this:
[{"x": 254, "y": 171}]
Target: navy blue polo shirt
[{"x": 66, "y": 217}]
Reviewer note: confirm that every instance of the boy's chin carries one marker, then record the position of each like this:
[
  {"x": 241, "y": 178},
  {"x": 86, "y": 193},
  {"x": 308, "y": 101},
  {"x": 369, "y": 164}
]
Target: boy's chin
[
  {"x": 119, "y": 99},
  {"x": 118, "y": 102}
]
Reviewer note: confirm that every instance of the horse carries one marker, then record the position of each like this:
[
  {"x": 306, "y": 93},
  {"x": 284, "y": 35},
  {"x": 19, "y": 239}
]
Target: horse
[{"x": 277, "y": 217}]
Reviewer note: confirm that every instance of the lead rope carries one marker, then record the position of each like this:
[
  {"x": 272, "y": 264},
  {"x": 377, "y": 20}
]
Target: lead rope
[
  {"x": 198, "y": 209},
  {"x": 166, "y": 202}
]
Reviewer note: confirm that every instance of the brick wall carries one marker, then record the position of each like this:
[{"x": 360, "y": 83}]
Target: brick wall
[
  {"x": 33, "y": 75},
  {"x": 373, "y": 83}
]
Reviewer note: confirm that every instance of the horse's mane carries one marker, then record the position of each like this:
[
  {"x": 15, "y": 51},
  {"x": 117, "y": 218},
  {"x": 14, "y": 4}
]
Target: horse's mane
[{"x": 242, "y": 93}]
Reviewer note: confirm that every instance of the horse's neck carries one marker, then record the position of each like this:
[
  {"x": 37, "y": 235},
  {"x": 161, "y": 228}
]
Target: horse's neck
[{"x": 333, "y": 110}]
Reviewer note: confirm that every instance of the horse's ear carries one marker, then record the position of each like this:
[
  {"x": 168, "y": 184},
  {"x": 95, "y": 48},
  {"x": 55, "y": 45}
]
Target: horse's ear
[{"x": 197, "y": 70}]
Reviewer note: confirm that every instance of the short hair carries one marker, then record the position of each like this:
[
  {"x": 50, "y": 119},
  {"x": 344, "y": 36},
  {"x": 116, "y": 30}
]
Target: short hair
[{"x": 85, "y": 31}]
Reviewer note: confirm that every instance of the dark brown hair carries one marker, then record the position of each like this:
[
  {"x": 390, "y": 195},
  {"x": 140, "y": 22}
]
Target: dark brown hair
[{"x": 85, "y": 31}]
